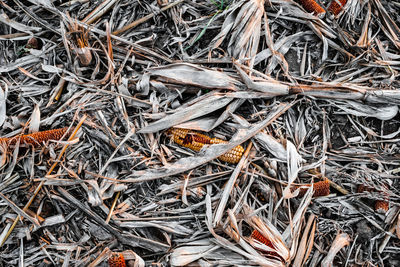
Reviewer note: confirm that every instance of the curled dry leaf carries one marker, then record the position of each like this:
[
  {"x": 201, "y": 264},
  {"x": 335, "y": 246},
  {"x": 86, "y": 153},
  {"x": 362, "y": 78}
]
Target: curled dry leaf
[
  {"x": 3, "y": 96},
  {"x": 269, "y": 232},
  {"x": 190, "y": 74},
  {"x": 243, "y": 26},
  {"x": 263, "y": 244},
  {"x": 79, "y": 41},
  {"x": 340, "y": 241},
  {"x": 294, "y": 160},
  {"x": 184, "y": 255}
]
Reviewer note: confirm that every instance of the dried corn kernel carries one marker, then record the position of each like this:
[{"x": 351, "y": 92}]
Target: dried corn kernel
[
  {"x": 336, "y": 6},
  {"x": 321, "y": 188},
  {"x": 195, "y": 141},
  {"x": 116, "y": 260},
  {"x": 35, "y": 139},
  {"x": 312, "y": 6}
]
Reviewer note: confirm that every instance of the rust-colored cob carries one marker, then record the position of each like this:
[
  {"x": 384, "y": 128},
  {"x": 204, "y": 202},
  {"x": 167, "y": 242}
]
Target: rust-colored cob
[
  {"x": 336, "y": 6},
  {"x": 36, "y": 139},
  {"x": 381, "y": 206},
  {"x": 116, "y": 260},
  {"x": 256, "y": 235},
  {"x": 312, "y": 6},
  {"x": 196, "y": 141},
  {"x": 260, "y": 238},
  {"x": 321, "y": 188}
]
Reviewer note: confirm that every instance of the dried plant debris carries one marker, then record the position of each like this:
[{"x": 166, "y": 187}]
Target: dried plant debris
[{"x": 199, "y": 133}]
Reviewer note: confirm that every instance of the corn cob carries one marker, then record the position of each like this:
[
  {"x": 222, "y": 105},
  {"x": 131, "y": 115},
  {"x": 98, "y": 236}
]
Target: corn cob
[
  {"x": 195, "y": 141},
  {"x": 336, "y": 6},
  {"x": 36, "y": 139},
  {"x": 256, "y": 235},
  {"x": 260, "y": 238},
  {"x": 312, "y": 6},
  {"x": 116, "y": 260},
  {"x": 381, "y": 206},
  {"x": 321, "y": 188}
]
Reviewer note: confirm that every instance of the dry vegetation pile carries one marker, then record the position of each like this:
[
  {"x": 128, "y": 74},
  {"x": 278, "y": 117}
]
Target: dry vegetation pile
[{"x": 199, "y": 133}]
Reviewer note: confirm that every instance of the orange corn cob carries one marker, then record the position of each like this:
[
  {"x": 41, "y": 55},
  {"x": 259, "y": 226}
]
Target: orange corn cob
[
  {"x": 336, "y": 6},
  {"x": 116, "y": 260},
  {"x": 262, "y": 239},
  {"x": 195, "y": 141},
  {"x": 256, "y": 235},
  {"x": 312, "y": 6},
  {"x": 36, "y": 139},
  {"x": 321, "y": 188},
  {"x": 381, "y": 206}
]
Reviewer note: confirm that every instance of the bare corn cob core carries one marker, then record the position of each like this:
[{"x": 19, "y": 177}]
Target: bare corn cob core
[
  {"x": 37, "y": 138},
  {"x": 321, "y": 188},
  {"x": 336, "y": 6},
  {"x": 116, "y": 260},
  {"x": 312, "y": 6},
  {"x": 195, "y": 141}
]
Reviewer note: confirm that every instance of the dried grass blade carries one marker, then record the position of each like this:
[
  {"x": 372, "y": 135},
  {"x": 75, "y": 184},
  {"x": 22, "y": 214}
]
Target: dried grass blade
[
  {"x": 3, "y": 97},
  {"x": 130, "y": 240},
  {"x": 229, "y": 186},
  {"x": 207, "y": 106},
  {"x": 301, "y": 253},
  {"x": 145, "y": 18},
  {"x": 19, "y": 211},
  {"x": 99, "y": 11},
  {"x": 341, "y": 240},
  {"x": 269, "y": 231}
]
